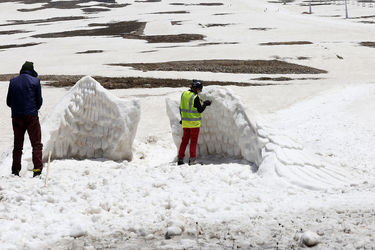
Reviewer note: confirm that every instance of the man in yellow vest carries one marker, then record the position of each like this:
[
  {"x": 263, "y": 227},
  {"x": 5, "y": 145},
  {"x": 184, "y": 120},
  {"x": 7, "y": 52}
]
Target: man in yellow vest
[{"x": 191, "y": 116}]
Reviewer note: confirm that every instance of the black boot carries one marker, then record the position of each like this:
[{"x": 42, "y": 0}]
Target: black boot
[
  {"x": 15, "y": 172},
  {"x": 180, "y": 162},
  {"x": 37, "y": 172}
]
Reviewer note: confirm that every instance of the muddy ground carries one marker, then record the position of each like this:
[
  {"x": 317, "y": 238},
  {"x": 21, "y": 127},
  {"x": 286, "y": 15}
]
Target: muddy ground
[
  {"x": 126, "y": 82},
  {"x": 227, "y": 66}
]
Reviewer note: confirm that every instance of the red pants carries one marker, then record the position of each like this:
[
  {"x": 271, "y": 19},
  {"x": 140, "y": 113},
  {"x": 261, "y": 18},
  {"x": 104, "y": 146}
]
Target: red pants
[
  {"x": 192, "y": 135},
  {"x": 21, "y": 124}
]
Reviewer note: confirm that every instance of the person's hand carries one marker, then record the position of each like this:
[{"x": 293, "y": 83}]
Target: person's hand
[
  {"x": 180, "y": 122},
  {"x": 207, "y": 103}
]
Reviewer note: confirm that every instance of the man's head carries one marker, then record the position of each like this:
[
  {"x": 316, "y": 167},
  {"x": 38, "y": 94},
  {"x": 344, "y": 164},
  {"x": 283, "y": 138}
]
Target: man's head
[
  {"x": 28, "y": 66},
  {"x": 197, "y": 85}
]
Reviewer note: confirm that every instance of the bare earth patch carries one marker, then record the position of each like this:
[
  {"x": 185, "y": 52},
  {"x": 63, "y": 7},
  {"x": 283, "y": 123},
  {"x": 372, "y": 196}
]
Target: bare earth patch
[
  {"x": 222, "y": 14},
  {"x": 261, "y": 29},
  {"x": 172, "y": 12},
  {"x": 368, "y": 44},
  {"x": 179, "y": 38},
  {"x": 71, "y": 4},
  {"x": 215, "y": 25},
  {"x": 226, "y": 66},
  {"x": 127, "y": 82},
  {"x": 90, "y": 52},
  {"x": 126, "y": 29},
  {"x": 198, "y": 4},
  {"x": 286, "y": 43},
  {"x": 106, "y": 29},
  {"x": 94, "y": 10},
  {"x": 48, "y": 20},
  {"x": 11, "y": 46},
  {"x": 283, "y": 78},
  {"x": 209, "y": 44},
  {"x": 11, "y": 32},
  {"x": 147, "y": 1}
]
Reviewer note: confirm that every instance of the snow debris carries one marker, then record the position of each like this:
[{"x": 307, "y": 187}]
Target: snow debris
[
  {"x": 173, "y": 231},
  {"x": 227, "y": 130},
  {"x": 77, "y": 231},
  {"x": 309, "y": 239},
  {"x": 90, "y": 122}
]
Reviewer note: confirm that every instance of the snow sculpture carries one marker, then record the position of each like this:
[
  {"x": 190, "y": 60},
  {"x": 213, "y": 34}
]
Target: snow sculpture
[
  {"x": 90, "y": 122},
  {"x": 227, "y": 130}
]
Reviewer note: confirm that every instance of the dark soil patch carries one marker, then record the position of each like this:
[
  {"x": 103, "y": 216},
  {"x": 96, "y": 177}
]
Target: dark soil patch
[
  {"x": 368, "y": 44},
  {"x": 126, "y": 29},
  {"x": 286, "y": 43},
  {"x": 209, "y": 44},
  {"x": 148, "y": 51},
  {"x": 90, "y": 52},
  {"x": 367, "y": 22},
  {"x": 303, "y": 58},
  {"x": 48, "y": 20},
  {"x": 179, "y": 38},
  {"x": 281, "y": 1},
  {"x": 148, "y": 1},
  {"x": 273, "y": 79},
  {"x": 117, "y": 29},
  {"x": 176, "y": 22},
  {"x": 209, "y": 4},
  {"x": 126, "y": 82},
  {"x": 362, "y": 17},
  {"x": 72, "y": 4},
  {"x": 261, "y": 29},
  {"x": 226, "y": 66},
  {"x": 198, "y": 4},
  {"x": 11, "y": 46},
  {"x": 172, "y": 12},
  {"x": 94, "y": 10},
  {"x": 282, "y": 78},
  {"x": 222, "y": 14},
  {"x": 11, "y": 32},
  {"x": 215, "y": 25}
]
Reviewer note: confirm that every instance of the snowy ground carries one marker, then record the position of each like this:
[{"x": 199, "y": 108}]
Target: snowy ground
[{"x": 96, "y": 204}]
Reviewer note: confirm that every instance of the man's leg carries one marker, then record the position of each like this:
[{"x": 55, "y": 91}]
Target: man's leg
[
  {"x": 184, "y": 143},
  {"x": 193, "y": 142},
  {"x": 19, "y": 130},
  {"x": 35, "y": 135}
]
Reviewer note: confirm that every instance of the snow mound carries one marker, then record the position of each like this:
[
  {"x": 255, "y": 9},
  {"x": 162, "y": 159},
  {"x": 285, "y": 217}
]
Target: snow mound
[
  {"x": 226, "y": 130},
  {"x": 90, "y": 122}
]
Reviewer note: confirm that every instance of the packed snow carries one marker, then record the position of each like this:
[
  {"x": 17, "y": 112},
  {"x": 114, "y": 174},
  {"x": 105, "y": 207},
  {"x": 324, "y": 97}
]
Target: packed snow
[
  {"x": 90, "y": 122},
  {"x": 227, "y": 130},
  {"x": 302, "y": 172}
]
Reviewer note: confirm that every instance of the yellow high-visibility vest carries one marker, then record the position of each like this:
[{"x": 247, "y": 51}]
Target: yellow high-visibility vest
[{"x": 190, "y": 116}]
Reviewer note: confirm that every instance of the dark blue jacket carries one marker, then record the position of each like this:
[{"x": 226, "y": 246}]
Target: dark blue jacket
[{"x": 25, "y": 94}]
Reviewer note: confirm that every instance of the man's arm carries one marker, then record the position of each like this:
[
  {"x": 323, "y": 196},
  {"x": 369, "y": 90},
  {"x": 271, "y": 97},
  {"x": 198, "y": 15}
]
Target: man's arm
[
  {"x": 199, "y": 106},
  {"x": 9, "y": 98},
  {"x": 38, "y": 96}
]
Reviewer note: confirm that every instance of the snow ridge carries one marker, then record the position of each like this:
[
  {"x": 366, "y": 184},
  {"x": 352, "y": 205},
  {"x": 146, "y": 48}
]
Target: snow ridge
[
  {"x": 90, "y": 122},
  {"x": 227, "y": 130}
]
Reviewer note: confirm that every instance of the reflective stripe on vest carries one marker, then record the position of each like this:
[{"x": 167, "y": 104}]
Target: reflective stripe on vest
[{"x": 190, "y": 116}]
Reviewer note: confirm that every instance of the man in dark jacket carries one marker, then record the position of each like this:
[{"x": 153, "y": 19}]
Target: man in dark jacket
[{"x": 25, "y": 99}]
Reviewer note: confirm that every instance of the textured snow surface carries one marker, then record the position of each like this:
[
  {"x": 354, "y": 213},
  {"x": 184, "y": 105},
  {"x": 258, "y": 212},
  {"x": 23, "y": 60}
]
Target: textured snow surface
[
  {"x": 227, "y": 130},
  {"x": 90, "y": 122}
]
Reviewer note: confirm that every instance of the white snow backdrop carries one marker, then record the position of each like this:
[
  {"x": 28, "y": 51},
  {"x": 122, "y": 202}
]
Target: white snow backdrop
[{"x": 103, "y": 203}]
